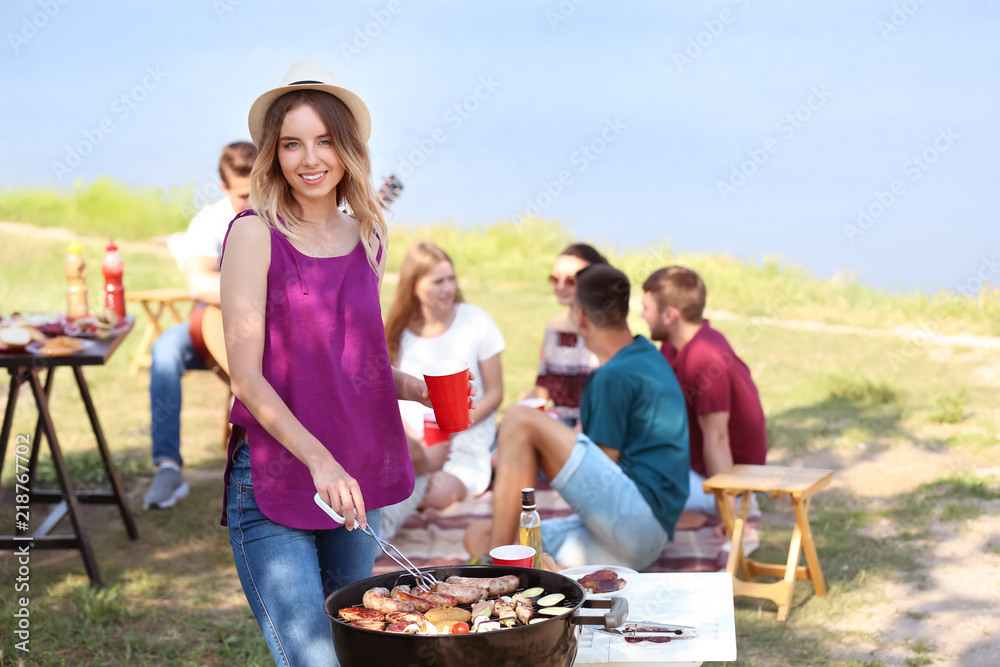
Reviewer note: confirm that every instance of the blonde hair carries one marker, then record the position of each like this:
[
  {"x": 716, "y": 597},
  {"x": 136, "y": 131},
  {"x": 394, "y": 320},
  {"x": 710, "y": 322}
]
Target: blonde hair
[
  {"x": 420, "y": 259},
  {"x": 272, "y": 197}
]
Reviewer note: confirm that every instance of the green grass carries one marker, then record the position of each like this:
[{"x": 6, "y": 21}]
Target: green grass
[
  {"x": 950, "y": 409},
  {"x": 174, "y": 598}
]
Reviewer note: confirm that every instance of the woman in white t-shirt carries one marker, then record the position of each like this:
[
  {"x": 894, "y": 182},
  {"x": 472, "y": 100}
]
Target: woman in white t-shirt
[{"x": 429, "y": 321}]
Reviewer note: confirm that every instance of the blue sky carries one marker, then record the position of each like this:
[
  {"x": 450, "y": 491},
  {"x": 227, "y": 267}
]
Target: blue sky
[{"x": 741, "y": 126}]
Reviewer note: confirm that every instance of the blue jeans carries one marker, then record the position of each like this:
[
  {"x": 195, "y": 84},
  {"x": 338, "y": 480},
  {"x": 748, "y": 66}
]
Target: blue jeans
[
  {"x": 173, "y": 353},
  {"x": 288, "y": 573},
  {"x": 612, "y": 524}
]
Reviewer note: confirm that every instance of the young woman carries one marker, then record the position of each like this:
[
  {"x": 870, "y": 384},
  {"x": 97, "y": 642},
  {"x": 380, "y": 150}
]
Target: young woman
[
  {"x": 316, "y": 396},
  {"x": 429, "y": 321},
  {"x": 565, "y": 362}
]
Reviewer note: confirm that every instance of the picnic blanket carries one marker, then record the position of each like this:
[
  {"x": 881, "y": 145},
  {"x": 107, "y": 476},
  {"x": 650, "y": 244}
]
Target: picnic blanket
[{"x": 434, "y": 538}]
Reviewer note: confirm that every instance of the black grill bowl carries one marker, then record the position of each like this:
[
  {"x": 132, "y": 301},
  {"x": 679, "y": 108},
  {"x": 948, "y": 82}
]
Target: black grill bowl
[{"x": 550, "y": 644}]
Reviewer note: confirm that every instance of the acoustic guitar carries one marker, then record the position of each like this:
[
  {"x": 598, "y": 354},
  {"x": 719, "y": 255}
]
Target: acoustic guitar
[{"x": 206, "y": 319}]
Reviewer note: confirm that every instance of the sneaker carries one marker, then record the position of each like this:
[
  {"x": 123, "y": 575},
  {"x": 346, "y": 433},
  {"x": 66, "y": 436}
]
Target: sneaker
[{"x": 167, "y": 488}]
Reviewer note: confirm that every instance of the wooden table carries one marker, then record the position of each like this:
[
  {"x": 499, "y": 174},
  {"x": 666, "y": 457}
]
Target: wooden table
[
  {"x": 799, "y": 484},
  {"x": 703, "y": 600},
  {"x": 154, "y": 302},
  {"x": 25, "y": 368}
]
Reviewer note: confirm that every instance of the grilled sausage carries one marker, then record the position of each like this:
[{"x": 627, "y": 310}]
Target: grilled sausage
[
  {"x": 463, "y": 594},
  {"x": 379, "y": 600},
  {"x": 419, "y": 603},
  {"x": 437, "y": 599},
  {"x": 496, "y": 586}
]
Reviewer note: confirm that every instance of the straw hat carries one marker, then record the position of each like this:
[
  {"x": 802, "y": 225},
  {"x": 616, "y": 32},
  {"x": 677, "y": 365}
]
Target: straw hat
[{"x": 309, "y": 75}]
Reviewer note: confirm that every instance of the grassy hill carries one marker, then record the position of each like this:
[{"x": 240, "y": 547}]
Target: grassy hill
[{"x": 907, "y": 423}]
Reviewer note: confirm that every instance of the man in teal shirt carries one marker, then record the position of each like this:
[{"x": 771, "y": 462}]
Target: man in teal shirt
[{"x": 626, "y": 474}]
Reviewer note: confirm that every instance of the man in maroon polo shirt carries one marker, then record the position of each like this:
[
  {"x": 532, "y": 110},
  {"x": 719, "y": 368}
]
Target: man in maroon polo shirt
[{"x": 724, "y": 411}]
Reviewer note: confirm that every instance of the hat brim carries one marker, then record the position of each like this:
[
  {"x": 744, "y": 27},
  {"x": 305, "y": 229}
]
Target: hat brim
[{"x": 354, "y": 104}]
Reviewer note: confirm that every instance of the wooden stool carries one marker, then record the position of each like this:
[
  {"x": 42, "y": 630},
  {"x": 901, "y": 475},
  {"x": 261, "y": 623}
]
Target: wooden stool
[
  {"x": 154, "y": 301},
  {"x": 800, "y": 484}
]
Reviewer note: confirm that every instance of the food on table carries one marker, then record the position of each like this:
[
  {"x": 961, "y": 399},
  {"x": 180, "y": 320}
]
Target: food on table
[
  {"x": 60, "y": 346},
  {"x": 14, "y": 337},
  {"x": 380, "y": 600},
  {"x": 463, "y": 594},
  {"x": 602, "y": 581},
  {"x": 496, "y": 586}
]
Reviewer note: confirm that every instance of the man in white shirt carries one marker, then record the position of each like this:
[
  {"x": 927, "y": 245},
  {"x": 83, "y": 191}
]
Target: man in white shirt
[{"x": 174, "y": 352}]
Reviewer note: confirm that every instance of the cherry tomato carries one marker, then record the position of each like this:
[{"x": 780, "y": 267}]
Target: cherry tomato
[{"x": 460, "y": 628}]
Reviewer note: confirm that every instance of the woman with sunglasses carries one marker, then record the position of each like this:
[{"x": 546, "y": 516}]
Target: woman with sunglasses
[{"x": 565, "y": 362}]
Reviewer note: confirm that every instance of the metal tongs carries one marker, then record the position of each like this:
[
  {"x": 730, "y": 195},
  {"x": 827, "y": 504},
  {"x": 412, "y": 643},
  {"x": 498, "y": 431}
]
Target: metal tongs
[
  {"x": 639, "y": 631},
  {"x": 425, "y": 580}
]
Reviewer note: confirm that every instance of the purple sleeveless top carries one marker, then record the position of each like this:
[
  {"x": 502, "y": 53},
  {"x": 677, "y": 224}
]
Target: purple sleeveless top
[{"x": 325, "y": 355}]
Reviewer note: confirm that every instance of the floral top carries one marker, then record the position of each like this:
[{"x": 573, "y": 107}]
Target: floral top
[{"x": 563, "y": 369}]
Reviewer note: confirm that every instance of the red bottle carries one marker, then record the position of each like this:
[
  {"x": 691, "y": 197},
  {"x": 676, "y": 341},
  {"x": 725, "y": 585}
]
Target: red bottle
[{"x": 114, "y": 292}]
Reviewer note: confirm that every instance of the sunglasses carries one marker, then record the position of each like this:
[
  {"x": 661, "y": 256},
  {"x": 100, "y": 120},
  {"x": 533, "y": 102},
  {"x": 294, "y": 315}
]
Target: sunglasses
[{"x": 568, "y": 281}]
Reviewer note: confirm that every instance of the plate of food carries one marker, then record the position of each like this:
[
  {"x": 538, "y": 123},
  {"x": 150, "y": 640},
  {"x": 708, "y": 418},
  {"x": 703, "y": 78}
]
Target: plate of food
[
  {"x": 60, "y": 346},
  {"x": 106, "y": 325},
  {"x": 601, "y": 581}
]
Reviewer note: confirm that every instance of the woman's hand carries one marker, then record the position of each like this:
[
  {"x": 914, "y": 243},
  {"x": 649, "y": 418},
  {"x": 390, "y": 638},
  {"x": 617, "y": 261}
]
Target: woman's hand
[
  {"x": 341, "y": 492},
  {"x": 436, "y": 455},
  {"x": 425, "y": 397}
]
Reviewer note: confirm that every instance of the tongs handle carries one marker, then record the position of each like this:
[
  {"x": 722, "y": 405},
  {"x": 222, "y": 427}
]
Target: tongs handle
[{"x": 332, "y": 513}]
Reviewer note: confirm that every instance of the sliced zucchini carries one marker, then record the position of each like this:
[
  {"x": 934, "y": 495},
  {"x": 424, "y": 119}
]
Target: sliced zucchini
[
  {"x": 533, "y": 592},
  {"x": 537, "y": 620},
  {"x": 550, "y": 600}
]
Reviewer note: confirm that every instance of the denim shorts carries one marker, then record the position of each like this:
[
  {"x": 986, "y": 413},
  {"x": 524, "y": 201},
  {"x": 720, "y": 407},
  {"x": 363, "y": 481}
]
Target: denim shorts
[
  {"x": 612, "y": 523},
  {"x": 287, "y": 573}
]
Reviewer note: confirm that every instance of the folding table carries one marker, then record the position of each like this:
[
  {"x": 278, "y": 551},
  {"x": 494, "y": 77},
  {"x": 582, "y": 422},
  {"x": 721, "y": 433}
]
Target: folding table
[{"x": 25, "y": 368}]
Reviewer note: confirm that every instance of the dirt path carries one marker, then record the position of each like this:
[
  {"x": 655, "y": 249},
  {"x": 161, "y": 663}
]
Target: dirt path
[{"x": 952, "y": 602}]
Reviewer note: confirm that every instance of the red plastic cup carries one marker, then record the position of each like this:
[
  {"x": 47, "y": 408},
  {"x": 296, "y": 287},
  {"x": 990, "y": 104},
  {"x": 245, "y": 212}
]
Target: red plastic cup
[
  {"x": 536, "y": 403},
  {"x": 432, "y": 434},
  {"x": 513, "y": 555},
  {"x": 448, "y": 386}
]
